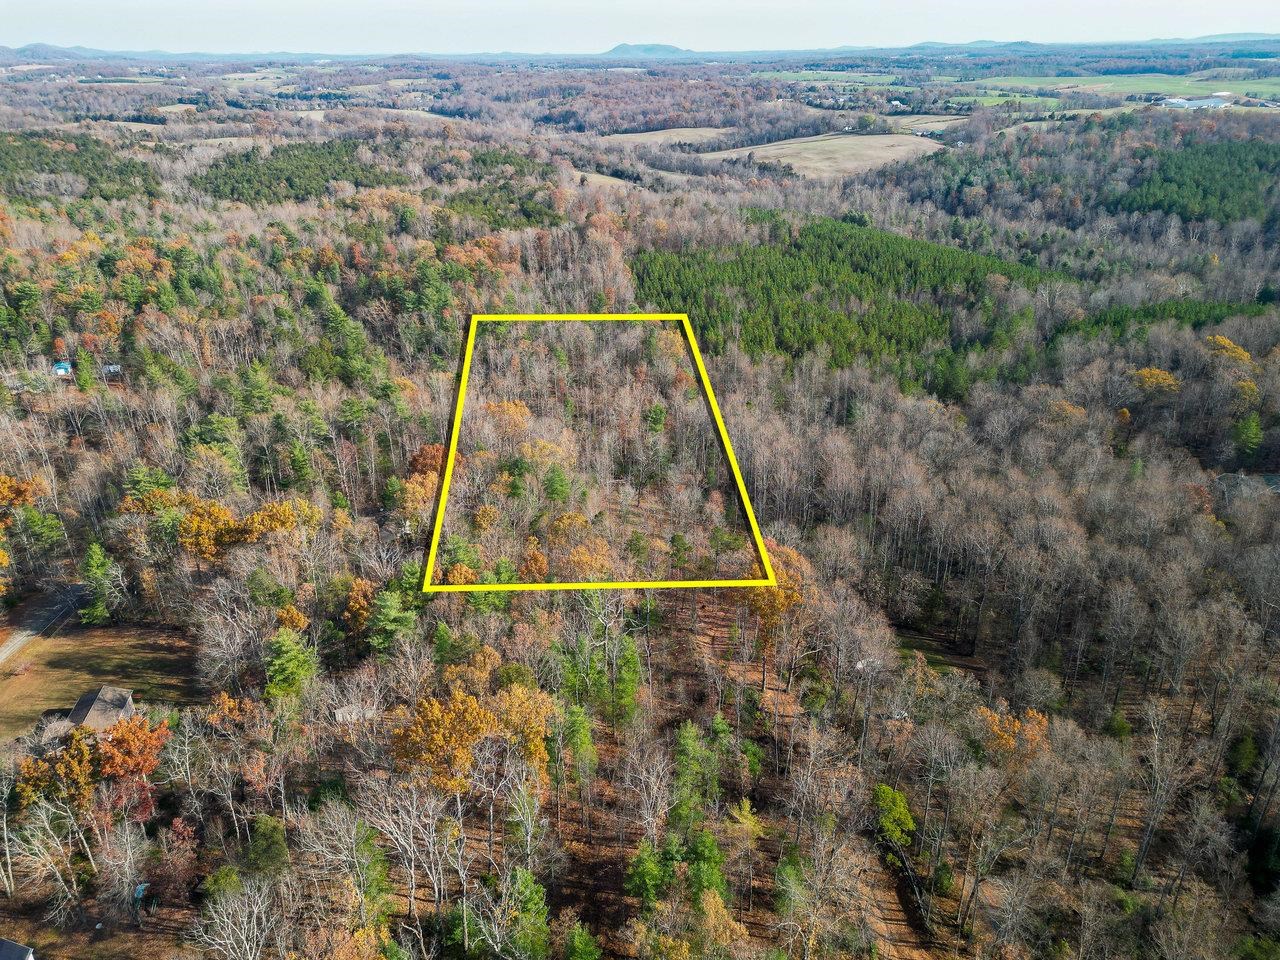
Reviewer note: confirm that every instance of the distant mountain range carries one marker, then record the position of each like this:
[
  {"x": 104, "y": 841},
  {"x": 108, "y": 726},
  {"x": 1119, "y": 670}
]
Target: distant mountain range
[
  {"x": 47, "y": 53},
  {"x": 648, "y": 51}
]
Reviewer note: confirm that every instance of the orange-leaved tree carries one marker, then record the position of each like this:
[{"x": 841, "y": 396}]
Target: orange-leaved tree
[
  {"x": 438, "y": 738},
  {"x": 1013, "y": 741},
  {"x": 131, "y": 747},
  {"x": 14, "y": 495}
]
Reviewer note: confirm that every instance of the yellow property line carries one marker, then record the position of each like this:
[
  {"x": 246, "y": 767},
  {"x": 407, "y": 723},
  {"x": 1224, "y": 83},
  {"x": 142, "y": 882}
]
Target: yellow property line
[{"x": 768, "y": 580}]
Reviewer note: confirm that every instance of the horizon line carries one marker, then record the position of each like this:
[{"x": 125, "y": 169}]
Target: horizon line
[{"x": 676, "y": 51}]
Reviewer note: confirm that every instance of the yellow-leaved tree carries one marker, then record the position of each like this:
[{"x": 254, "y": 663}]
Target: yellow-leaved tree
[
  {"x": 438, "y": 738},
  {"x": 773, "y": 605}
]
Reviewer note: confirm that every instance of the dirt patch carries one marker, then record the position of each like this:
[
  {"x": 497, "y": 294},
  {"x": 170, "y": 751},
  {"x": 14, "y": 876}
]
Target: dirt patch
[{"x": 836, "y": 154}]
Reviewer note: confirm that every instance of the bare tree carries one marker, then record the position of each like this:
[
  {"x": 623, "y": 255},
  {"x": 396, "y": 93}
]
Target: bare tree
[
  {"x": 646, "y": 777},
  {"x": 8, "y": 838},
  {"x": 407, "y": 813},
  {"x": 242, "y": 924},
  {"x": 1162, "y": 774},
  {"x": 45, "y": 857}
]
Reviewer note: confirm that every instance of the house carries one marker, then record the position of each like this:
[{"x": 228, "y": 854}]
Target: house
[
  {"x": 101, "y": 708},
  {"x": 62, "y": 369},
  {"x": 15, "y": 951}
]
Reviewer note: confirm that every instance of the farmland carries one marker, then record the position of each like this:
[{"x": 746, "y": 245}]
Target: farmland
[
  {"x": 668, "y": 136},
  {"x": 836, "y": 154},
  {"x": 1139, "y": 84}
]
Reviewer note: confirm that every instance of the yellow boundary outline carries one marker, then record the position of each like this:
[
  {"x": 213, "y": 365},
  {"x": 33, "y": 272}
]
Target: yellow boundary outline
[{"x": 769, "y": 580}]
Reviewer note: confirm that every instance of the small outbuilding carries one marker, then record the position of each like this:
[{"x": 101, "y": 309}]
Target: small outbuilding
[{"x": 101, "y": 708}]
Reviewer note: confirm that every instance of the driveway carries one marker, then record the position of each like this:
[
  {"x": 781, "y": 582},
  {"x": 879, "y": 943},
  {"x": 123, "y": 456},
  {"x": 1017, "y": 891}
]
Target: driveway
[{"x": 38, "y": 616}]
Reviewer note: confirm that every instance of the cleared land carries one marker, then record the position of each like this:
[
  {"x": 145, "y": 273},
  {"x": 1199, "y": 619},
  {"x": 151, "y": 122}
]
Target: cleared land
[
  {"x": 594, "y": 179},
  {"x": 671, "y": 135},
  {"x": 837, "y": 154},
  {"x": 161, "y": 941},
  {"x": 51, "y": 672},
  {"x": 1124, "y": 84},
  {"x": 911, "y": 122}
]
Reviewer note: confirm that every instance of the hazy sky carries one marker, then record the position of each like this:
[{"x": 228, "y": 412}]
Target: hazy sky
[{"x": 590, "y": 26}]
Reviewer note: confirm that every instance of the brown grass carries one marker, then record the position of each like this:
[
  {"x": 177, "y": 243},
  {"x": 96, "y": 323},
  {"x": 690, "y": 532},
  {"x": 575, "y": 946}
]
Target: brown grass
[
  {"x": 837, "y": 154},
  {"x": 911, "y": 122},
  {"x": 160, "y": 937},
  {"x": 671, "y": 135},
  {"x": 51, "y": 672}
]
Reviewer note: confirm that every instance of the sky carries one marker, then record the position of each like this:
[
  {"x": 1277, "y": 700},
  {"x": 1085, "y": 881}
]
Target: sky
[{"x": 592, "y": 26}]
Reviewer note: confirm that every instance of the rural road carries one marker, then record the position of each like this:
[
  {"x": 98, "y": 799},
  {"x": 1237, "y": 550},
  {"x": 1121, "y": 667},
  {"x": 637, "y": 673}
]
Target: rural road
[{"x": 37, "y": 616}]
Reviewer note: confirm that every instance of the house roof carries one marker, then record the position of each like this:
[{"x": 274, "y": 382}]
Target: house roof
[
  {"x": 14, "y": 951},
  {"x": 100, "y": 708}
]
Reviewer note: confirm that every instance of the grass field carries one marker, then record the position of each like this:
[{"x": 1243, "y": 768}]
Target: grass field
[
  {"x": 1126, "y": 84},
  {"x": 51, "y": 672},
  {"x": 120, "y": 80},
  {"x": 837, "y": 154},
  {"x": 603, "y": 179},
  {"x": 996, "y": 100},
  {"x": 671, "y": 135},
  {"x": 266, "y": 75}
]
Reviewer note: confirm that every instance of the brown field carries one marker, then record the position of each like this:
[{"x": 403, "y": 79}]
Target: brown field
[
  {"x": 415, "y": 112},
  {"x": 177, "y": 108},
  {"x": 51, "y": 672},
  {"x": 671, "y": 135},
  {"x": 397, "y": 83},
  {"x": 911, "y": 122},
  {"x": 593, "y": 179},
  {"x": 837, "y": 154},
  {"x": 266, "y": 75}
]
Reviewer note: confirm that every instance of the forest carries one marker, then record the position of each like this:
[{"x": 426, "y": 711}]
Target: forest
[
  {"x": 615, "y": 473},
  {"x": 1008, "y": 412}
]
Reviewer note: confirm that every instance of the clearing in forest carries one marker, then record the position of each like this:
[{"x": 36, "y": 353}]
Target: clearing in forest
[
  {"x": 669, "y": 136},
  {"x": 590, "y": 454},
  {"x": 835, "y": 154},
  {"x": 53, "y": 670}
]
